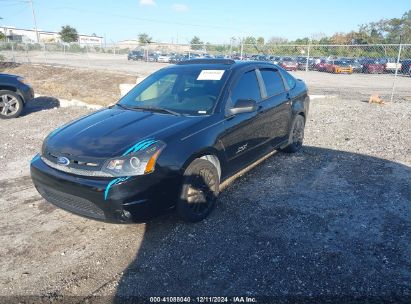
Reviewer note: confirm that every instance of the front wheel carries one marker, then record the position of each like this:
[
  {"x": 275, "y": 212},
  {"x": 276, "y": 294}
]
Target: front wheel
[
  {"x": 297, "y": 135},
  {"x": 11, "y": 104},
  {"x": 199, "y": 191}
]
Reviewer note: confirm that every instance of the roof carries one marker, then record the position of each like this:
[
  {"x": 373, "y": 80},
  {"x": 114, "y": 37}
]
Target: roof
[{"x": 222, "y": 63}]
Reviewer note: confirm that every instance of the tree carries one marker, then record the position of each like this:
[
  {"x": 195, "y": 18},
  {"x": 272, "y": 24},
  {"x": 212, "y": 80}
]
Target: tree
[
  {"x": 2, "y": 36},
  {"x": 144, "y": 38},
  {"x": 277, "y": 40},
  {"x": 260, "y": 40},
  {"x": 196, "y": 43},
  {"x": 68, "y": 34}
]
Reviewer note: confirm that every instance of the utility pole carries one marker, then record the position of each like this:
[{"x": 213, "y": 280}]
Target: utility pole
[{"x": 35, "y": 22}]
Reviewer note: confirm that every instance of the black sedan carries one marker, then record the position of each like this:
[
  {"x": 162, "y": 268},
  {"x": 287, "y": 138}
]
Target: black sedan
[
  {"x": 136, "y": 55},
  {"x": 15, "y": 92},
  {"x": 172, "y": 140}
]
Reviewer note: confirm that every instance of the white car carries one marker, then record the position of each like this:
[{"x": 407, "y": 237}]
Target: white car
[{"x": 163, "y": 58}]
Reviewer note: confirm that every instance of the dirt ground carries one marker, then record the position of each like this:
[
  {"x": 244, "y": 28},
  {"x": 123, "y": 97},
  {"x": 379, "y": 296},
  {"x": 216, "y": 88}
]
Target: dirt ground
[
  {"x": 332, "y": 222},
  {"x": 95, "y": 87}
]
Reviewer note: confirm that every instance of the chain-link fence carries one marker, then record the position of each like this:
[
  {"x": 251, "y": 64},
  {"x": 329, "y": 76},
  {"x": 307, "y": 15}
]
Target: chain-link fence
[{"x": 351, "y": 70}]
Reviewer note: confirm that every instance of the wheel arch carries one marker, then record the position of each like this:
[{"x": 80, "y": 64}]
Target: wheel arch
[
  {"x": 12, "y": 89},
  {"x": 211, "y": 154}
]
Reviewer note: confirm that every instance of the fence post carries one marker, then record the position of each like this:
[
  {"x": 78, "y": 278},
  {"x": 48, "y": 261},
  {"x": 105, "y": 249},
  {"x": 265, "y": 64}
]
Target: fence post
[
  {"x": 396, "y": 72},
  {"x": 44, "y": 52},
  {"x": 12, "y": 52},
  {"x": 308, "y": 56}
]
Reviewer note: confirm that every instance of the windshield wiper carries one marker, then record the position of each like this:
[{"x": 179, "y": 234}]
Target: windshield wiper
[
  {"x": 122, "y": 106},
  {"x": 155, "y": 109}
]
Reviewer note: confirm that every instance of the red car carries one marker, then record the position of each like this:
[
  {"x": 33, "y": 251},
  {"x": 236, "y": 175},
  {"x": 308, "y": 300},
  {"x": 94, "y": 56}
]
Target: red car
[
  {"x": 288, "y": 64},
  {"x": 372, "y": 66},
  {"x": 322, "y": 65}
]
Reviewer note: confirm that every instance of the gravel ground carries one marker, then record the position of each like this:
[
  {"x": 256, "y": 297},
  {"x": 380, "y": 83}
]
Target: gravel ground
[{"x": 330, "y": 222}]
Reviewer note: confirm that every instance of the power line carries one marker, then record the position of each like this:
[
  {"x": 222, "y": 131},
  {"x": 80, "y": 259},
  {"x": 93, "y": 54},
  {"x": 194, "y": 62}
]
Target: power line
[{"x": 147, "y": 19}]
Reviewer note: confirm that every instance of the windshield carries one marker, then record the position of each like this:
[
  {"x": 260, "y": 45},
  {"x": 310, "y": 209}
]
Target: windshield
[{"x": 188, "y": 90}]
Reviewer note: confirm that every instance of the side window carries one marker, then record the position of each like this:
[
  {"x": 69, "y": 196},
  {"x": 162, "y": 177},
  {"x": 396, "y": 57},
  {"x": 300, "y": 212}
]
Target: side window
[
  {"x": 273, "y": 82},
  {"x": 247, "y": 87},
  {"x": 289, "y": 79}
]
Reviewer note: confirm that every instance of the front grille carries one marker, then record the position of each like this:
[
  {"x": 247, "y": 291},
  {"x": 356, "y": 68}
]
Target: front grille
[
  {"x": 75, "y": 171},
  {"x": 72, "y": 203}
]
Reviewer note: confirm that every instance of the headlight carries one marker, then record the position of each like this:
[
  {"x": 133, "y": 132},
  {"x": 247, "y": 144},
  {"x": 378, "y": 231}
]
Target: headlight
[{"x": 138, "y": 161}]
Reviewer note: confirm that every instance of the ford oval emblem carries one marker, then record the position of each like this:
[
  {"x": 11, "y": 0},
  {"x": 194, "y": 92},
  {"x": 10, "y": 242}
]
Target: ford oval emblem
[{"x": 64, "y": 161}]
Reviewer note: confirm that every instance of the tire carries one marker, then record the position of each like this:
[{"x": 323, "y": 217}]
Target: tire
[
  {"x": 11, "y": 104},
  {"x": 297, "y": 133},
  {"x": 199, "y": 191}
]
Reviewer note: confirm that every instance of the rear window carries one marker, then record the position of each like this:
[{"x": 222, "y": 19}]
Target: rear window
[
  {"x": 289, "y": 79},
  {"x": 273, "y": 82}
]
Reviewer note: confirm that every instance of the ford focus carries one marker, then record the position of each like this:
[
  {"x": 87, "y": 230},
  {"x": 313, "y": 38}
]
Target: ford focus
[{"x": 172, "y": 140}]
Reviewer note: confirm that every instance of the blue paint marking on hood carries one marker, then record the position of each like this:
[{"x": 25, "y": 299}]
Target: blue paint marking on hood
[
  {"x": 140, "y": 146},
  {"x": 114, "y": 182}
]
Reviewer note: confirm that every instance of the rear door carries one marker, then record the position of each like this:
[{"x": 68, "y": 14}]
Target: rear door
[{"x": 274, "y": 111}]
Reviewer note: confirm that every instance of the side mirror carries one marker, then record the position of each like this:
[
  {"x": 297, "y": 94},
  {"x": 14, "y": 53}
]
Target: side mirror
[{"x": 243, "y": 106}]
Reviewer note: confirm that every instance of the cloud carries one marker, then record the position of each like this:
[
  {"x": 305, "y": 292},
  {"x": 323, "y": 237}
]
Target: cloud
[
  {"x": 177, "y": 7},
  {"x": 147, "y": 2}
]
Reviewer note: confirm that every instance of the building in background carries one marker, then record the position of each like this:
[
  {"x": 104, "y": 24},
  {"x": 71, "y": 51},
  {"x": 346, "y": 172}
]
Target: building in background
[
  {"x": 154, "y": 46},
  {"x": 29, "y": 36}
]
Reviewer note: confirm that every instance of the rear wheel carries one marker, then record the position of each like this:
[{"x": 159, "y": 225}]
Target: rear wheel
[
  {"x": 11, "y": 104},
  {"x": 199, "y": 191},
  {"x": 297, "y": 133}
]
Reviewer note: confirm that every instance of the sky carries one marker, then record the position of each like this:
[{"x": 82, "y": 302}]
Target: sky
[{"x": 214, "y": 21}]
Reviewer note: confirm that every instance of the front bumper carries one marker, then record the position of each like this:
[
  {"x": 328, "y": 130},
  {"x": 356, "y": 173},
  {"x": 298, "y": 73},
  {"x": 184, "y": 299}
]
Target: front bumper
[{"x": 133, "y": 199}]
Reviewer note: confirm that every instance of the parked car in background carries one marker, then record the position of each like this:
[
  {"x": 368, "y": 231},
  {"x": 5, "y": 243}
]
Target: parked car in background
[
  {"x": 172, "y": 140},
  {"x": 176, "y": 58},
  {"x": 152, "y": 57},
  {"x": 390, "y": 65},
  {"x": 163, "y": 58},
  {"x": 275, "y": 59},
  {"x": 339, "y": 67},
  {"x": 321, "y": 66},
  {"x": 304, "y": 62},
  {"x": 406, "y": 66},
  {"x": 136, "y": 55},
  {"x": 372, "y": 66},
  {"x": 15, "y": 92},
  {"x": 354, "y": 64},
  {"x": 288, "y": 64}
]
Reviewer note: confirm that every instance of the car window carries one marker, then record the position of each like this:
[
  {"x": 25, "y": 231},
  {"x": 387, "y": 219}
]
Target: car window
[
  {"x": 247, "y": 87},
  {"x": 273, "y": 82},
  {"x": 188, "y": 90},
  {"x": 289, "y": 79}
]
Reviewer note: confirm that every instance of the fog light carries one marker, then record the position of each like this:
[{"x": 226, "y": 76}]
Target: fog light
[{"x": 126, "y": 215}]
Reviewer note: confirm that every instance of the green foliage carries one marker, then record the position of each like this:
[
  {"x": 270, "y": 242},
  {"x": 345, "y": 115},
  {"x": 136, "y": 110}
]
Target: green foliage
[
  {"x": 196, "y": 43},
  {"x": 144, "y": 38},
  {"x": 2, "y": 36},
  {"x": 68, "y": 34}
]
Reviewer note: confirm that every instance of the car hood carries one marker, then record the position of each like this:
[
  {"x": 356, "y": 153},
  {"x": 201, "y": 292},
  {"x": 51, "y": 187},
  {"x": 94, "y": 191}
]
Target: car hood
[
  {"x": 8, "y": 76},
  {"x": 111, "y": 132}
]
